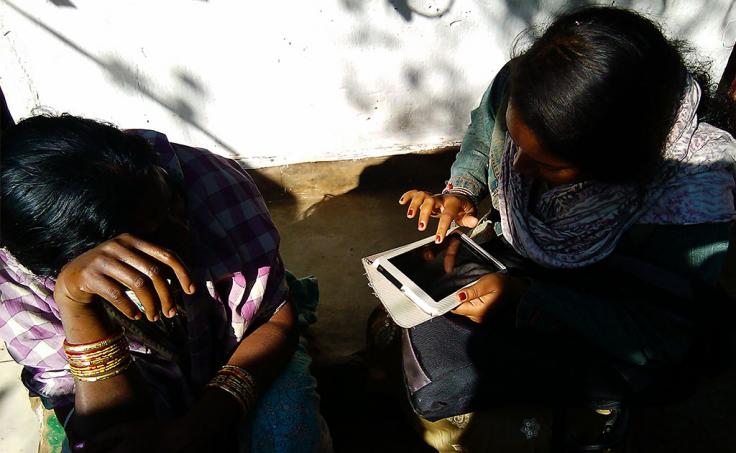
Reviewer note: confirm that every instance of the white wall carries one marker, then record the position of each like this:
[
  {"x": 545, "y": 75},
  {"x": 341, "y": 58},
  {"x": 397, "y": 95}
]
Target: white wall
[{"x": 280, "y": 81}]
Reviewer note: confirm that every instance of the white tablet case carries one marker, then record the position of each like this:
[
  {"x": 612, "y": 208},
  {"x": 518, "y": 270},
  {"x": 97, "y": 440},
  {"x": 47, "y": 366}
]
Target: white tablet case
[{"x": 403, "y": 311}]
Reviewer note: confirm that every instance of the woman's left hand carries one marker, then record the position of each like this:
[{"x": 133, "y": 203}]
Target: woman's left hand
[{"x": 492, "y": 290}]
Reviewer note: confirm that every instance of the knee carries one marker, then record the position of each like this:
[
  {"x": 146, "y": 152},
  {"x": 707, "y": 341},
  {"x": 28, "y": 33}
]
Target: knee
[{"x": 287, "y": 418}]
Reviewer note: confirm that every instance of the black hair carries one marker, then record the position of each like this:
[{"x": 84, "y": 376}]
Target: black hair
[
  {"x": 66, "y": 185},
  {"x": 601, "y": 88}
]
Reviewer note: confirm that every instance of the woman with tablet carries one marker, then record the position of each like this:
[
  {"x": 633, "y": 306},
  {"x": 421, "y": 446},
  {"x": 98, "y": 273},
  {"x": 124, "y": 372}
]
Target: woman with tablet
[{"x": 597, "y": 149}]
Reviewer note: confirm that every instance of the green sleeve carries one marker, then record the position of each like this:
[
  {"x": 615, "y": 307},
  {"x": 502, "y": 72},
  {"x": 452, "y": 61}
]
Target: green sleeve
[{"x": 470, "y": 174}]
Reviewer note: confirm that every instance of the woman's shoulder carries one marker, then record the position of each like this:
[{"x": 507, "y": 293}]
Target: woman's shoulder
[
  {"x": 499, "y": 88},
  {"x": 204, "y": 173}
]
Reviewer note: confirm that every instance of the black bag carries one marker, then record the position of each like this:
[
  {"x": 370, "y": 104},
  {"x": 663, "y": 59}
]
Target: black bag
[
  {"x": 447, "y": 360},
  {"x": 440, "y": 378},
  {"x": 454, "y": 366}
]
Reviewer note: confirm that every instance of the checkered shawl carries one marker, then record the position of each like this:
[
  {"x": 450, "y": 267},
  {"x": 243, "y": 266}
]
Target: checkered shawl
[{"x": 232, "y": 237}]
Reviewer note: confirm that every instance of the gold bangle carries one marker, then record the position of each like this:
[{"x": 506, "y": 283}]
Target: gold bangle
[
  {"x": 241, "y": 381},
  {"x": 246, "y": 376},
  {"x": 100, "y": 369},
  {"x": 100, "y": 360},
  {"x": 245, "y": 393},
  {"x": 231, "y": 392},
  {"x": 241, "y": 374},
  {"x": 72, "y": 349},
  {"x": 101, "y": 357},
  {"x": 102, "y": 377},
  {"x": 238, "y": 383},
  {"x": 116, "y": 361}
]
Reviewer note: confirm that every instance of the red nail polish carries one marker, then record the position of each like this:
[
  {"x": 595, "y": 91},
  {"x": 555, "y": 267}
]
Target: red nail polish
[
  {"x": 410, "y": 213},
  {"x": 450, "y": 186},
  {"x": 462, "y": 296},
  {"x": 421, "y": 225},
  {"x": 437, "y": 239}
]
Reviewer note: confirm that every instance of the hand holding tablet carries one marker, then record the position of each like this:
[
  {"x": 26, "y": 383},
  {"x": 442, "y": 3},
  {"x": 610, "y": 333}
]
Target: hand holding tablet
[
  {"x": 430, "y": 274},
  {"x": 479, "y": 299}
]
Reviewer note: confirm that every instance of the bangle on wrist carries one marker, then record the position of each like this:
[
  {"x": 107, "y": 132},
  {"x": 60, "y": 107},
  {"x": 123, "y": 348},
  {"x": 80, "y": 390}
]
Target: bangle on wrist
[
  {"x": 98, "y": 360},
  {"x": 239, "y": 384}
]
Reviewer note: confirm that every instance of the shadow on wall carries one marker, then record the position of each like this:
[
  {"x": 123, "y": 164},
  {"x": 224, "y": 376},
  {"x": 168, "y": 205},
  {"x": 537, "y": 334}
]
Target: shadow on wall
[
  {"x": 330, "y": 238},
  {"x": 407, "y": 9},
  {"x": 432, "y": 94},
  {"x": 63, "y": 3},
  {"x": 422, "y": 106},
  {"x": 69, "y": 4},
  {"x": 380, "y": 218},
  {"x": 529, "y": 10},
  {"x": 424, "y": 95},
  {"x": 408, "y": 171},
  {"x": 126, "y": 77}
]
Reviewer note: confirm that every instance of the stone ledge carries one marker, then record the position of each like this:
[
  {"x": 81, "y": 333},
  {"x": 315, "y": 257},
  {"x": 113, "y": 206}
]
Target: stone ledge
[{"x": 426, "y": 169}]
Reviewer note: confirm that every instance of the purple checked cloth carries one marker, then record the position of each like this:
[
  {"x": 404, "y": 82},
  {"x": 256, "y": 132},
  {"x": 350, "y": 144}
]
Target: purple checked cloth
[{"x": 232, "y": 238}]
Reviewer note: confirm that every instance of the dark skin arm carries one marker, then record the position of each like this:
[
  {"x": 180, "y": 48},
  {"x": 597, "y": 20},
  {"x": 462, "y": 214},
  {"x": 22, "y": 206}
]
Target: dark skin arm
[
  {"x": 106, "y": 272},
  {"x": 105, "y": 408},
  {"x": 211, "y": 421}
]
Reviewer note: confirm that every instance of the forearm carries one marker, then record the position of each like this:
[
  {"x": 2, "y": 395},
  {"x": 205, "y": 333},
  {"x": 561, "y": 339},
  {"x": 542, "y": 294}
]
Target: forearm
[
  {"x": 469, "y": 172},
  {"x": 267, "y": 350},
  {"x": 263, "y": 353},
  {"x": 98, "y": 405}
]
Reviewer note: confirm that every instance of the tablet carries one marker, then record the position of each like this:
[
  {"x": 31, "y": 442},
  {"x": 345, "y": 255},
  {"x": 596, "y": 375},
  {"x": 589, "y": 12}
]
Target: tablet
[{"x": 430, "y": 274}]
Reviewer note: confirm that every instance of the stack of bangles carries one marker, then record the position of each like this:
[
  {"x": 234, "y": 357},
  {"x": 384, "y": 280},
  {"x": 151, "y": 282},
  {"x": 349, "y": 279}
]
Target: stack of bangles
[
  {"x": 239, "y": 384},
  {"x": 99, "y": 360}
]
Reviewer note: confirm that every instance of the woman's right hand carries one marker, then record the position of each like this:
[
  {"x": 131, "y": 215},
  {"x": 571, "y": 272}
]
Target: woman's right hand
[
  {"x": 115, "y": 266},
  {"x": 447, "y": 207}
]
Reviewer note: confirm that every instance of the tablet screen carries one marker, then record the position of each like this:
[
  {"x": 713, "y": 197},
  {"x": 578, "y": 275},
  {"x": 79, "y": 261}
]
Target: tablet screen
[{"x": 442, "y": 269}]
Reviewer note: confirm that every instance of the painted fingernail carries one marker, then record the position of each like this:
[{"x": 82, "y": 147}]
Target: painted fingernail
[
  {"x": 450, "y": 186},
  {"x": 421, "y": 225},
  {"x": 437, "y": 239},
  {"x": 172, "y": 312},
  {"x": 410, "y": 213},
  {"x": 462, "y": 296}
]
